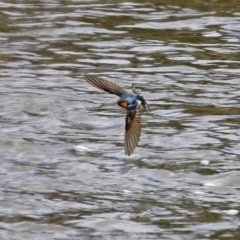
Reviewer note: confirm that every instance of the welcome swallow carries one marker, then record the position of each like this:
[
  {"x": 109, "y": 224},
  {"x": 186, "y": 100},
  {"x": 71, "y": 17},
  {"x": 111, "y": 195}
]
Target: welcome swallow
[{"x": 134, "y": 103}]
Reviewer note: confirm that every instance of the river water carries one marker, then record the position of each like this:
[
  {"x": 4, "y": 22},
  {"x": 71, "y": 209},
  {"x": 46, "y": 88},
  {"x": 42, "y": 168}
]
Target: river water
[{"x": 64, "y": 174}]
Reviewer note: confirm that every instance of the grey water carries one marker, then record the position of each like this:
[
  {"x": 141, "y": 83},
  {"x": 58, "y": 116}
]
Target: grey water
[{"x": 64, "y": 174}]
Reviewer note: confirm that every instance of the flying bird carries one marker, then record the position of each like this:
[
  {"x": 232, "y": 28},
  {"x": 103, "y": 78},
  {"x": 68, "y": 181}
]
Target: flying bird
[{"x": 134, "y": 103}]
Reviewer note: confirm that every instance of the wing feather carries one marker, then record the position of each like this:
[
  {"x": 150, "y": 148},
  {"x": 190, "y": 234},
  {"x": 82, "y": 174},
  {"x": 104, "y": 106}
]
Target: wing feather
[
  {"x": 105, "y": 85},
  {"x": 132, "y": 131}
]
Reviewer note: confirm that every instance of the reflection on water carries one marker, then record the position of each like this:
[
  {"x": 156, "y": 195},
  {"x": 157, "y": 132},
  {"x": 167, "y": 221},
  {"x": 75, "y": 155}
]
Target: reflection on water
[{"x": 64, "y": 171}]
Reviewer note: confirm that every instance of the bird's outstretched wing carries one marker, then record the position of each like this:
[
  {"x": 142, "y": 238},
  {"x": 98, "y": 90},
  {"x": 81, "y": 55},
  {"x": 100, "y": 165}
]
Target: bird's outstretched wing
[
  {"x": 105, "y": 85},
  {"x": 132, "y": 130}
]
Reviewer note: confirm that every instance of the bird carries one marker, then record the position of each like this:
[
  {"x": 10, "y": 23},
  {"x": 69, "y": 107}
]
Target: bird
[{"x": 134, "y": 103}]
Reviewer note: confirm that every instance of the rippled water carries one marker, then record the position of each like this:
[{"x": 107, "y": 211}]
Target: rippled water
[{"x": 64, "y": 174}]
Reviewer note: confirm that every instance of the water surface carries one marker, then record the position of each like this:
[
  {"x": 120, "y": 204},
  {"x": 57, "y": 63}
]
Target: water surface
[{"x": 64, "y": 171}]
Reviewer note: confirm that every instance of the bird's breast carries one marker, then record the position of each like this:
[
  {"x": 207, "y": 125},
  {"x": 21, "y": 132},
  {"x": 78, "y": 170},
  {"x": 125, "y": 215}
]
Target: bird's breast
[{"x": 122, "y": 104}]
